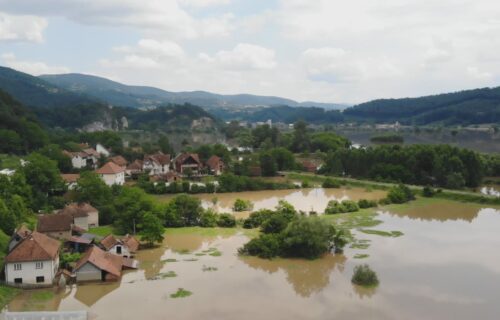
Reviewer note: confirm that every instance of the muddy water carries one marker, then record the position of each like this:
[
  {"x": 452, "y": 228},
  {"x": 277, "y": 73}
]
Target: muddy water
[
  {"x": 445, "y": 266},
  {"x": 302, "y": 199}
]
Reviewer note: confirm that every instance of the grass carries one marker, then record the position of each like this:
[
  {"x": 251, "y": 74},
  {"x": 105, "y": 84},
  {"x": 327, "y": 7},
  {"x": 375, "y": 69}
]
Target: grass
[
  {"x": 361, "y": 244},
  {"x": 103, "y": 231},
  {"x": 6, "y": 294},
  {"x": 169, "y": 260},
  {"x": 205, "y": 232},
  {"x": 41, "y": 296},
  {"x": 215, "y": 253},
  {"x": 361, "y": 256},
  {"x": 168, "y": 274},
  {"x": 181, "y": 293},
  {"x": 190, "y": 260},
  {"x": 200, "y": 254},
  {"x": 393, "y": 234},
  {"x": 182, "y": 251}
]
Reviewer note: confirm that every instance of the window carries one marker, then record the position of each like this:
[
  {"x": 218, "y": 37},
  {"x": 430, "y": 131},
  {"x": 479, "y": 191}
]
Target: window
[
  {"x": 18, "y": 280},
  {"x": 118, "y": 249},
  {"x": 39, "y": 265},
  {"x": 18, "y": 266},
  {"x": 40, "y": 279}
]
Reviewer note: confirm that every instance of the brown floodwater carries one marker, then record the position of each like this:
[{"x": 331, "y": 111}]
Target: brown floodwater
[
  {"x": 445, "y": 266},
  {"x": 302, "y": 199}
]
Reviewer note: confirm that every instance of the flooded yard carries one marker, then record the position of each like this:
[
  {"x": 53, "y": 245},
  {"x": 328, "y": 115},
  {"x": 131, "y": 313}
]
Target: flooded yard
[{"x": 445, "y": 265}]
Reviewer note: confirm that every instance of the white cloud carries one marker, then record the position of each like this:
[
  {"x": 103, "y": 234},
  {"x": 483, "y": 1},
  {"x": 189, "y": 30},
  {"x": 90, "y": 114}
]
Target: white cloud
[
  {"x": 21, "y": 28},
  {"x": 204, "y": 3},
  {"x": 246, "y": 56},
  {"x": 165, "y": 17},
  {"x": 31, "y": 67}
]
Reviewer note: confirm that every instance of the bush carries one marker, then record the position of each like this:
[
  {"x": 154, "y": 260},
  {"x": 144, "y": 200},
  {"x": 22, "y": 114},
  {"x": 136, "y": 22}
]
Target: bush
[
  {"x": 305, "y": 184},
  {"x": 330, "y": 183},
  {"x": 428, "y": 192},
  {"x": 226, "y": 220},
  {"x": 364, "y": 276},
  {"x": 308, "y": 238},
  {"x": 364, "y": 204},
  {"x": 242, "y": 205},
  {"x": 274, "y": 224},
  {"x": 400, "y": 194},
  {"x": 208, "y": 219},
  {"x": 266, "y": 246},
  {"x": 256, "y": 219},
  {"x": 345, "y": 206}
]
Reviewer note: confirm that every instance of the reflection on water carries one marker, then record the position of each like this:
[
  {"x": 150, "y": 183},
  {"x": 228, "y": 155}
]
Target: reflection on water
[
  {"x": 305, "y": 276},
  {"x": 302, "y": 199},
  {"x": 445, "y": 266},
  {"x": 490, "y": 191},
  {"x": 440, "y": 210}
]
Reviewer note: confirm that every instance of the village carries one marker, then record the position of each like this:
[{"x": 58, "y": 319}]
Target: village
[{"x": 33, "y": 259}]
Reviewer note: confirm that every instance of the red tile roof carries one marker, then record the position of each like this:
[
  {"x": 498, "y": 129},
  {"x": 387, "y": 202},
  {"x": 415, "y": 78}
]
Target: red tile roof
[
  {"x": 119, "y": 160},
  {"x": 36, "y": 247},
  {"x": 78, "y": 210},
  {"x": 70, "y": 177},
  {"x": 135, "y": 166},
  {"x": 109, "y": 242},
  {"x": 110, "y": 168},
  {"x": 54, "y": 222},
  {"x": 160, "y": 158},
  {"x": 215, "y": 162},
  {"x": 131, "y": 243},
  {"x": 103, "y": 260}
]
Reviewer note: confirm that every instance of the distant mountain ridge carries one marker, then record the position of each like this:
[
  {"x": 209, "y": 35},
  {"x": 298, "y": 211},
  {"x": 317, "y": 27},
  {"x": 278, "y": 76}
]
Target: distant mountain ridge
[{"x": 119, "y": 94}]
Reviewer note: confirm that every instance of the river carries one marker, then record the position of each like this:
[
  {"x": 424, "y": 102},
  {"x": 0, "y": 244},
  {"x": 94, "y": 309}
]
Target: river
[{"x": 446, "y": 265}]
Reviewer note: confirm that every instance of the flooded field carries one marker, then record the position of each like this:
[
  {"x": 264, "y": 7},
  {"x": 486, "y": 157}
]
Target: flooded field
[
  {"x": 445, "y": 265},
  {"x": 302, "y": 199}
]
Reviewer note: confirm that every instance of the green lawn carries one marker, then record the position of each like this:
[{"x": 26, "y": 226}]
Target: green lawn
[
  {"x": 103, "y": 231},
  {"x": 6, "y": 294}
]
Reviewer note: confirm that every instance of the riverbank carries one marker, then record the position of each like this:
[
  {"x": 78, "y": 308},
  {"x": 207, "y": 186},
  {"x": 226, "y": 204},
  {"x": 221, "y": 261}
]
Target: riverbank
[{"x": 457, "y": 195}]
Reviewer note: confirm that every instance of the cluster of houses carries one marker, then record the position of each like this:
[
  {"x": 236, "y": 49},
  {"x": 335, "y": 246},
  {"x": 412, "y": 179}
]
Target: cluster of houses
[
  {"x": 160, "y": 166},
  {"x": 33, "y": 258}
]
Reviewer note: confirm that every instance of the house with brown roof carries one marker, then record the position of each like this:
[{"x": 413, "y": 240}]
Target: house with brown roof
[
  {"x": 58, "y": 226},
  {"x": 86, "y": 158},
  {"x": 70, "y": 179},
  {"x": 98, "y": 265},
  {"x": 156, "y": 164},
  {"x": 112, "y": 174},
  {"x": 125, "y": 247},
  {"x": 33, "y": 261},
  {"x": 84, "y": 215},
  {"x": 19, "y": 234},
  {"x": 186, "y": 162},
  {"x": 215, "y": 165},
  {"x": 134, "y": 168},
  {"x": 119, "y": 160}
]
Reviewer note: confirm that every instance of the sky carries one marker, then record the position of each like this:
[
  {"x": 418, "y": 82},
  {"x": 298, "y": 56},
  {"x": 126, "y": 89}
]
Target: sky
[{"x": 307, "y": 50}]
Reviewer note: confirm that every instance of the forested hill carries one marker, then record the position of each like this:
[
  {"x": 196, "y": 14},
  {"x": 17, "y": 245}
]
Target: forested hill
[
  {"x": 465, "y": 107},
  {"x": 35, "y": 92},
  {"x": 119, "y": 94},
  {"x": 20, "y": 132}
]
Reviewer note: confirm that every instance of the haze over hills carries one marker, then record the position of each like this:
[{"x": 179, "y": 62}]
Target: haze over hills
[{"x": 119, "y": 94}]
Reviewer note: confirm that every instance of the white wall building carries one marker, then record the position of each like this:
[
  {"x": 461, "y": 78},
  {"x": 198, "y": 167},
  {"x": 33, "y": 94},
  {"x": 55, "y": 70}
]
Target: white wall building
[{"x": 112, "y": 174}]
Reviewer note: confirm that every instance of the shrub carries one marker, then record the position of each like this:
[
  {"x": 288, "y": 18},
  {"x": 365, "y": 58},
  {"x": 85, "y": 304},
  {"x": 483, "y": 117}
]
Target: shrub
[
  {"x": 274, "y": 224},
  {"x": 364, "y": 276},
  {"x": 208, "y": 219},
  {"x": 308, "y": 238},
  {"x": 400, "y": 194},
  {"x": 330, "y": 183},
  {"x": 428, "y": 192},
  {"x": 242, "y": 205},
  {"x": 363, "y": 203},
  {"x": 350, "y": 206},
  {"x": 226, "y": 220},
  {"x": 266, "y": 246},
  {"x": 334, "y": 207},
  {"x": 257, "y": 218}
]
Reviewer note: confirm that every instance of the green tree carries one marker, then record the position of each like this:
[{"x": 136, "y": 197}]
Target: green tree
[
  {"x": 151, "y": 229},
  {"x": 301, "y": 140},
  {"x": 131, "y": 204},
  {"x": 8, "y": 221},
  {"x": 92, "y": 189},
  {"x": 268, "y": 164}
]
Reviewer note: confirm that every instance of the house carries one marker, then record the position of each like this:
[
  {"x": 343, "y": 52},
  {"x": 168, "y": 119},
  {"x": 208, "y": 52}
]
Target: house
[
  {"x": 215, "y": 165},
  {"x": 58, "y": 226},
  {"x": 102, "y": 150},
  {"x": 156, "y": 164},
  {"x": 255, "y": 171},
  {"x": 112, "y": 174},
  {"x": 70, "y": 179},
  {"x": 98, "y": 265},
  {"x": 125, "y": 247},
  {"x": 119, "y": 160},
  {"x": 78, "y": 244},
  {"x": 134, "y": 168},
  {"x": 20, "y": 234},
  {"x": 188, "y": 162},
  {"x": 33, "y": 261},
  {"x": 87, "y": 158},
  {"x": 309, "y": 166},
  {"x": 84, "y": 215}
]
